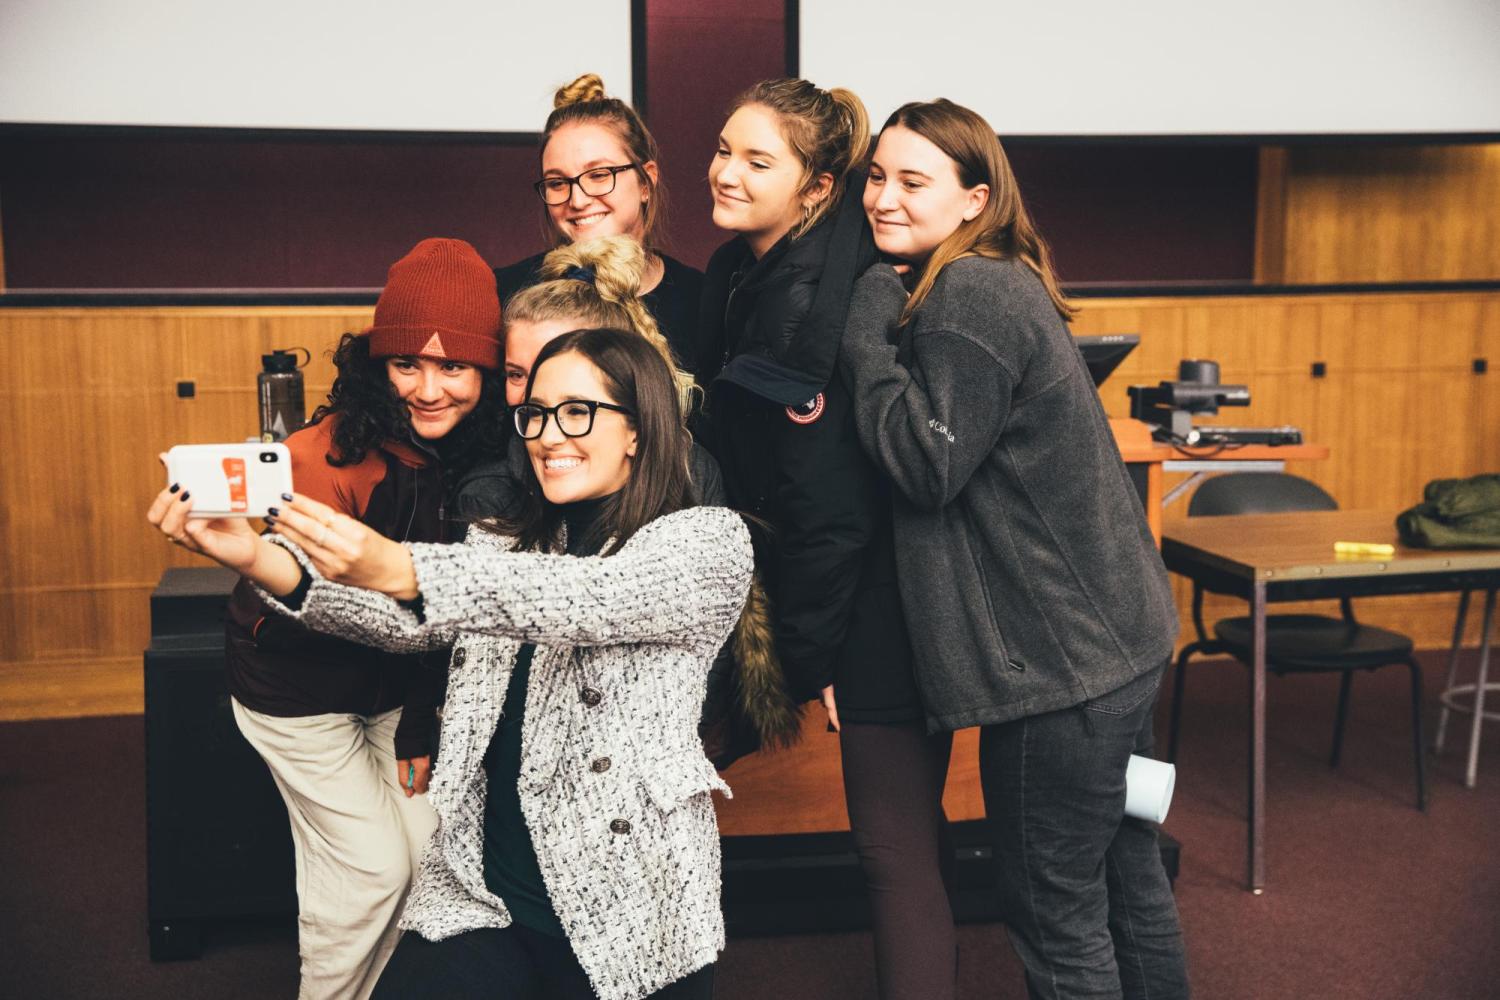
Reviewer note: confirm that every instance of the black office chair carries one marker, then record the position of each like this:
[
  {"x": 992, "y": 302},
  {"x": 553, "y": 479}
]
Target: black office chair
[{"x": 1295, "y": 643}]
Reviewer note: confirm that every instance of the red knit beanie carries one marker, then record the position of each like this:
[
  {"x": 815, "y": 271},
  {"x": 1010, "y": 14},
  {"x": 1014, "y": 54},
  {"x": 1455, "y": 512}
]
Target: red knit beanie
[{"x": 439, "y": 301}]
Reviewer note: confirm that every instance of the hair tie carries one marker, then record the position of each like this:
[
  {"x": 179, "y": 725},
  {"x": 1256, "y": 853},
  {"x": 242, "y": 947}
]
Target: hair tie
[{"x": 578, "y": 273}]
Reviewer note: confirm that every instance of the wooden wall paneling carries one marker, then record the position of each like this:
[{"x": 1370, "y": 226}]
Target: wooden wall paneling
[
  {"x": 88, "y": 398},
  {"x": 1485, "y": 454},
  {"x": 1270, "y": 215},
  {"x": 1391, "y": 213}
]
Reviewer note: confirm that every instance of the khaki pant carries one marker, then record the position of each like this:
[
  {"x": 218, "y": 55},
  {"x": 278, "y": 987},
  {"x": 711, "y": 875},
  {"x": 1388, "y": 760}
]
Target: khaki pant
[{"x": 357, "y": 838}]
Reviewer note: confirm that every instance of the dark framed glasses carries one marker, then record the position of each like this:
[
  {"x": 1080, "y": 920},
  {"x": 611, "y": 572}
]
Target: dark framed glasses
[
  {"x": 595, "y": 182},
  {"x": 575, "y": 417}
]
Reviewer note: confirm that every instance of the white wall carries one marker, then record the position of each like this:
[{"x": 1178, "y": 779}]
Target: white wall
[
  {"x": 426, "y": 65},
  {"x": 1170, "y": 67}
]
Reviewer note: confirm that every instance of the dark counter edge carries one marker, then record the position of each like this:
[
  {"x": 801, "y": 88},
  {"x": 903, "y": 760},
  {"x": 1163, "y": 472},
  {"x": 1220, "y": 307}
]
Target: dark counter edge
[{"x": 41, "y": 298}]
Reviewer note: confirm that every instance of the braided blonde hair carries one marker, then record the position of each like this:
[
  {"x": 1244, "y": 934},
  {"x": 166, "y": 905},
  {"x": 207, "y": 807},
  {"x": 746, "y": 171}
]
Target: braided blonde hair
[{"x": 598, "y": 284}]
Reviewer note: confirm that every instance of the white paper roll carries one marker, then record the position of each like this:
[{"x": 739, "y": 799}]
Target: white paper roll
[{"x": 1148, "y": 788}]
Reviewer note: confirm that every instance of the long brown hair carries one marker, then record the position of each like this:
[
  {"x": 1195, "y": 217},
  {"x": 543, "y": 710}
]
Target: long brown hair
[
  {"x": 828, "y": 130},
  {"x": 637, "y": 379},
  {"x": 584, "y": 101},
  {"x": 597, "y": 283},
  {"x": 1003, "y": 229}
]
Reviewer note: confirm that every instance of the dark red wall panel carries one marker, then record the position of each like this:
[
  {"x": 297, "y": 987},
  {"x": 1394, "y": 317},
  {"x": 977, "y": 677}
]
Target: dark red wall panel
[
  {"x": 161, "y": 211},
  {"x": 699, "y": 58}
]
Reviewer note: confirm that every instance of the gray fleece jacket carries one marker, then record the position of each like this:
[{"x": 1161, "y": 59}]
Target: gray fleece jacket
[{"x": 1029, "y": 577}]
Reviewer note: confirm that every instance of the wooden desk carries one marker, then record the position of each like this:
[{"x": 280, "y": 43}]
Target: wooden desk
[
  {"x": 1290, "y": 557},
  {"x": 1147, "y": 458}
]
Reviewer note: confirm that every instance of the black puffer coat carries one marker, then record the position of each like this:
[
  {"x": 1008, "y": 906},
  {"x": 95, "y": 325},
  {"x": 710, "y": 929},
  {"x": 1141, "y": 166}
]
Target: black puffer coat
[{"x": 781, "y": 424}]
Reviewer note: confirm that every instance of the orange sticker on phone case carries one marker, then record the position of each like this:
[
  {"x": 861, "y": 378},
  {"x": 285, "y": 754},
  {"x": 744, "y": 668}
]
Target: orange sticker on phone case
[{"x": 234, "y": 475}]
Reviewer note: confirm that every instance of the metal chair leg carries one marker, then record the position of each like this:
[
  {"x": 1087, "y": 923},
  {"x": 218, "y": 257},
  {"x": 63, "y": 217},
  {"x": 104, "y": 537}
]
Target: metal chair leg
[
  {"x": 1179, "y": 681},
  {"x": 1341, "y": 717},
  {"x": 1458, "y": 642},
  {"x": 1416, "y": 733}
]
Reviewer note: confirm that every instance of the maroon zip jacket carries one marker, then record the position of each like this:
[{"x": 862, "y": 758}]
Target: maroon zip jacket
[{"x": 279, "y": 668}]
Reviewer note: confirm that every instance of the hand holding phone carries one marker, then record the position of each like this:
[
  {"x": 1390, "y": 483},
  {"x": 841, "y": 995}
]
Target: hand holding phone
[
  {"x": 231, "y": 480},
  {"x": 228, "y": 541}
]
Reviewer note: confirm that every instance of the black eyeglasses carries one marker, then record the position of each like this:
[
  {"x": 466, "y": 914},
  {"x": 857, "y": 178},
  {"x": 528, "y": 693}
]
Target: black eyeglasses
[
  {"x": 575, "y": 417},
  {"x": 595, "y": 182}
]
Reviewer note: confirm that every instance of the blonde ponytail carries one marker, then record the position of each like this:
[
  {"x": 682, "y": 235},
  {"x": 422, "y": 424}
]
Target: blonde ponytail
[{"x": 828, "y": 130}]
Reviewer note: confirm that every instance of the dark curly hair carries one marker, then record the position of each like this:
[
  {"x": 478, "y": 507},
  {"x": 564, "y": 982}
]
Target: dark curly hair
[{"x": 371, "y": 413}]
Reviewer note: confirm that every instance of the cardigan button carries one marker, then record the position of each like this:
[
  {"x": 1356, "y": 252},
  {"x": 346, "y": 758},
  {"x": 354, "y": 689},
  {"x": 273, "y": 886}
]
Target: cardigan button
[
  {"x": 459, "y": 656},
  {"x": 591, "y": 696},
  {"x": 619, "y": 826},
  {"x": 601, "y": 765}
]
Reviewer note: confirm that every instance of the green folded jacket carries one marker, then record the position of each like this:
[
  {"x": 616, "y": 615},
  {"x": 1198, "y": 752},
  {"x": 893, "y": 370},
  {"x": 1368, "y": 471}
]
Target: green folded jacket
[{"x": 1454, "y": 514}]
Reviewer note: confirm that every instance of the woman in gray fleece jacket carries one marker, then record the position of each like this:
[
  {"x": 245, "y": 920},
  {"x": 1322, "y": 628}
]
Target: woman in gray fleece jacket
[
  {"x": 577, "y": 853},
  {"x": 1038, "y": 606}
]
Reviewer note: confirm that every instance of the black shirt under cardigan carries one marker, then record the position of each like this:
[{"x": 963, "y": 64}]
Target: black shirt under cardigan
[{"x": 511, "y": 870}]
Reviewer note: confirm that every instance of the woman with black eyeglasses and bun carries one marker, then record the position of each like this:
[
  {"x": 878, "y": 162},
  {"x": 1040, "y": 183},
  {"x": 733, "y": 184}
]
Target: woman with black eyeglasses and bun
[{"x": 599, "y": 178}]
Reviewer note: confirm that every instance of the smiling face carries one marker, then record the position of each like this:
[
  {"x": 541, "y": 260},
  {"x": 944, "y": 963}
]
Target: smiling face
[
  {"x": 579, "y": 468},
  {"x": 524, "y": 340},
  {"x": 914, "y": 198},
  {"x": 756, "y": 179},
  {"x": 438, "y": 394},
  {"x": 582, "y": 146}
]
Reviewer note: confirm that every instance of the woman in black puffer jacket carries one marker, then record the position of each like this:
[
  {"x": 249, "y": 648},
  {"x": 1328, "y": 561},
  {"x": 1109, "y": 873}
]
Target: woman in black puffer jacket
[{"x": 781, "y": 424}]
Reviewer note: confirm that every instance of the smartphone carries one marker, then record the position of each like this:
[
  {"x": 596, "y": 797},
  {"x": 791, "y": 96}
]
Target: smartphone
[{"x": 231, "y": 480}]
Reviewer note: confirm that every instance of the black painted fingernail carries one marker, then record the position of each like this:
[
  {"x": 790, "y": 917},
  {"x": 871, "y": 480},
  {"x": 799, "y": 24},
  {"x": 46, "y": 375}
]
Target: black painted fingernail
[
  {"x": 185, "y": 495},
  {"x": 174, "y": 487},
  {"x": 270, "y": 520},
  {"x": 273, "y": 511},
  {"x": 287, "y": 497}
]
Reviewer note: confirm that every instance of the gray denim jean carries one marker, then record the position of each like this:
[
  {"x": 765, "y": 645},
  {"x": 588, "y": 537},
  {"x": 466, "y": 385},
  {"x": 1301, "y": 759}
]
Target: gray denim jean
[{"x": 1086, "y": 901}]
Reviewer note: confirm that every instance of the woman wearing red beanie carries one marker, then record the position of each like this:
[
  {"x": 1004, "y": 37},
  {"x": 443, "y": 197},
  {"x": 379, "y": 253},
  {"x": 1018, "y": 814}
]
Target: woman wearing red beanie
[{"x": 348, "y": 731}]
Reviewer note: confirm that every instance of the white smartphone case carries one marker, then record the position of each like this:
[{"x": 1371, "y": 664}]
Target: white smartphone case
[{"x": 231, "y": 480}]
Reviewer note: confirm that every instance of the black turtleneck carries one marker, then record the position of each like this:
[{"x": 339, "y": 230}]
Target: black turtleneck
[{"x": 510, "y": 866}]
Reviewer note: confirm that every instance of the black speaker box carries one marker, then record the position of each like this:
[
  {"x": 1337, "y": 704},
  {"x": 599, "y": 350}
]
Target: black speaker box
[{"x": 217, "y": 838}]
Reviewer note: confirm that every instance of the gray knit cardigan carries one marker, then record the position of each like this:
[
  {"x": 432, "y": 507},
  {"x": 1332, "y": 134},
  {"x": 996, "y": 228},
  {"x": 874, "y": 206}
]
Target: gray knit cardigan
[{"x": 614, "y": 784}]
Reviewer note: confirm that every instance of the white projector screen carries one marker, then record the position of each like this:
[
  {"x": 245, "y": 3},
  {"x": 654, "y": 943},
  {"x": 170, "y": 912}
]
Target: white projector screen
[
  {"x": 423, "y": 65},
  {"x": 1170, "y": 67}
]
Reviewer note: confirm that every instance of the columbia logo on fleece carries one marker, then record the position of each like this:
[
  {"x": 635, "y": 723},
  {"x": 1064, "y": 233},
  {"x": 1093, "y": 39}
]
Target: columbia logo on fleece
[{"x": 941, "y": 429}]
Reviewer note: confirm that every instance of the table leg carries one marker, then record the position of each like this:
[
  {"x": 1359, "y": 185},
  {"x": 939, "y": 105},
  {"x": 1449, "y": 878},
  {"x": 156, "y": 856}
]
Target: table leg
[
  {"x": 1257, "y": 824},
  {"x": 1458, "y": 644},
  {"x": 1480, "y": 682}
]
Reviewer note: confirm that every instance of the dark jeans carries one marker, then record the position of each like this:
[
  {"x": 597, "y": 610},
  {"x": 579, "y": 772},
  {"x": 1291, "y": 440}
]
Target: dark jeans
[
  {"x": 511, "y": 963},
  {"x": 1087, "y": 903},
  {"x": 893, "y": 785}
]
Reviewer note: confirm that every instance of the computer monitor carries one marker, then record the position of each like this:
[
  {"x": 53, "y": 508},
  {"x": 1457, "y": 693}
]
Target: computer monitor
[{"x": 1103, "y": 353}]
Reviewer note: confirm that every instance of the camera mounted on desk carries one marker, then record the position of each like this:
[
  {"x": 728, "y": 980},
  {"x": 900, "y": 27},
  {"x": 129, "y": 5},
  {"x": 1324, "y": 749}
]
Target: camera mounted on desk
[{"x": 1171, "y": 406}]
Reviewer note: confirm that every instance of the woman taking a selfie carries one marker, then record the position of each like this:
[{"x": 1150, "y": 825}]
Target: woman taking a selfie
[
  {"x": 577, "y": 853},
  {"x": 599, "y": 178},
  {"x": 1038, "y": 604},
  {"x": 348, "y": 731}
]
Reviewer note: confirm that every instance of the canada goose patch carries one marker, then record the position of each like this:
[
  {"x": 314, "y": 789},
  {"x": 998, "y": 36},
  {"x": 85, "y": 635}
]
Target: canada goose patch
[{"x": 807, "y": 412}]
